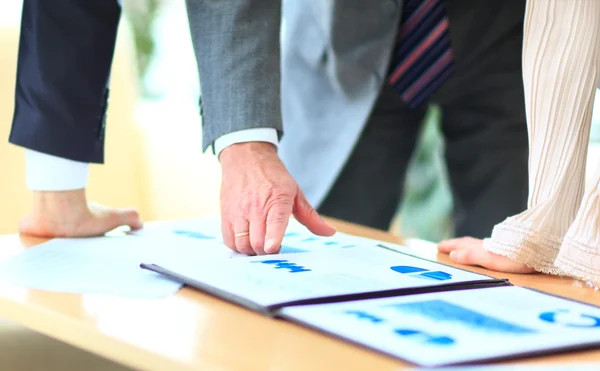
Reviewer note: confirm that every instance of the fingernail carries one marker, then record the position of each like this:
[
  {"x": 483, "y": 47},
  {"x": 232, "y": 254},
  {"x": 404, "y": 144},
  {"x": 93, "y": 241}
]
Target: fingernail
[
  {"x": 453, "y": 255},
  {"x": 270, "y": 245}
]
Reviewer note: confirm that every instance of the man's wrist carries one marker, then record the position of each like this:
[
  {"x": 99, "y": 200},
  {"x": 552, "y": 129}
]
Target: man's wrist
[
  {"x": 237, "y": 151},
  {"x": 266, "y": 135}
]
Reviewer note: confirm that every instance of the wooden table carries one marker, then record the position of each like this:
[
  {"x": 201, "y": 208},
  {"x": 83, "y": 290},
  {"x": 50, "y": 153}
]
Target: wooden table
[{"x": 193, "y": 331}]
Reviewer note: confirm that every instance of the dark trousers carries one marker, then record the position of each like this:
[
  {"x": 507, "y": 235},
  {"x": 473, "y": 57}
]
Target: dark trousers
[{"x": 483, "y": 123}]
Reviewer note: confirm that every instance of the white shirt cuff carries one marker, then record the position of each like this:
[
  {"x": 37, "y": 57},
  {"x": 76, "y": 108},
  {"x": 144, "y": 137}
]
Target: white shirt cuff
[
  {"x": 50, "y": 173},
  {"x": 248, "y": 135}
]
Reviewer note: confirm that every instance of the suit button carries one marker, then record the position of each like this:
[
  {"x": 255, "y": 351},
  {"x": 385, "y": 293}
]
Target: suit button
[{"x": 325, "y": 57}]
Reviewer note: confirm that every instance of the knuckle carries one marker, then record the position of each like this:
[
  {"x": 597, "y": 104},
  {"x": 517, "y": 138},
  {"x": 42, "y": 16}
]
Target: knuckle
[
  {"x": 241, "y": 206},
  {"x": 257, "y": 203},
  {"x": 257, "y": 199},
  {"x": 272, "y": 189},
  {"x": 283, "y": 191},
  {"x": 241, "y": 210},
  {"x": 280, "y": 200},
  {"x": 270, "y": 200},
  {"x": 264, "y": 191},
  {"x": 234, "y": 203},
  {"x": 276, "y": 218}
]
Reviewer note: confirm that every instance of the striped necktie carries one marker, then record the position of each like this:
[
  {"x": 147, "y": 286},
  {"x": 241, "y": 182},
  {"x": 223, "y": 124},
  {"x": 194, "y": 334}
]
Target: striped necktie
[{"x": 422, "y": 59}]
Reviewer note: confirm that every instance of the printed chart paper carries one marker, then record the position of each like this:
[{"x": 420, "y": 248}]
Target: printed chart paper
[
  {"x": 104, "y": 265},
  {"x": 296, "y": 240},
  {"x": 111, "y": 265},
  {"x": 273, "y": 280},
  {"x": 453, "y": 327},
  {"x": 199, "y": 228}
]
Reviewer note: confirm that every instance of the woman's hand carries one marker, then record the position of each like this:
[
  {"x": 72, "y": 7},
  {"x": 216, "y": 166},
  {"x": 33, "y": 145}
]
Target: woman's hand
[{"x": 470, "y": 251}]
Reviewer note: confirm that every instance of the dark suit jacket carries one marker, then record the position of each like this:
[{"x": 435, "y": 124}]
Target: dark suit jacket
[
  {"x": 65, "y": 54},
  {"x": 335, "y": 60}
]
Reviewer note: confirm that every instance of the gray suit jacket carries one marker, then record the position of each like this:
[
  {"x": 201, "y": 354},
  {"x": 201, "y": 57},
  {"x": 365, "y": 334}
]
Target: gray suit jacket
[{"x": 237, "y": 50}]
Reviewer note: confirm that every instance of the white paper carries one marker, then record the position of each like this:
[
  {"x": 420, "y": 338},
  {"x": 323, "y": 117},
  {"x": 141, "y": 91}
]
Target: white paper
[
  {"x": 458, "y": 326},
  {"x": 104, "y": 265},
  {"x": 270, "y": 280},
  {"x": 297, "y": 238},
  {"x": 200, "y": 228},
  {"x": 110, "y": 265}
]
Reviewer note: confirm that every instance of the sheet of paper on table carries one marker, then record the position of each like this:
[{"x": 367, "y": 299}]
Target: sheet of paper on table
[
  {"x": 447, "y": 328},
  {"x": 110, "y": 265},
  {"x": 104, "y": 265},
  {"x": 261, "y": 282},
  {"x": 297, "y": 238}
]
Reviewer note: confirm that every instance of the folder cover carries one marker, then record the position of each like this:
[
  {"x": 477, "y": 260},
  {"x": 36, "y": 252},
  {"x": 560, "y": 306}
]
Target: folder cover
[{"x": 267, "y": 283}]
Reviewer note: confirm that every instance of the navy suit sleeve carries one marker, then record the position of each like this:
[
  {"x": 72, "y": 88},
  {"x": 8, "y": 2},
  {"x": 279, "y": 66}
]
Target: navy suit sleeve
[{"x": 65, "y": 54}]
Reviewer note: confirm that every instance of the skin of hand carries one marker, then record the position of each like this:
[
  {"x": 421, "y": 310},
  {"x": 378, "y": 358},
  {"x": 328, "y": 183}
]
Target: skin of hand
[
  {"x": 258, "y": 196},
  {"x": 68, "y": 214},
  {"x": 470, "y": 251}
]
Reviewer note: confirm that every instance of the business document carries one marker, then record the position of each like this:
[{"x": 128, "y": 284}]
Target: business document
[
  {"x": 267, "y": 281},
  {"x": 454, "y": 327}
]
